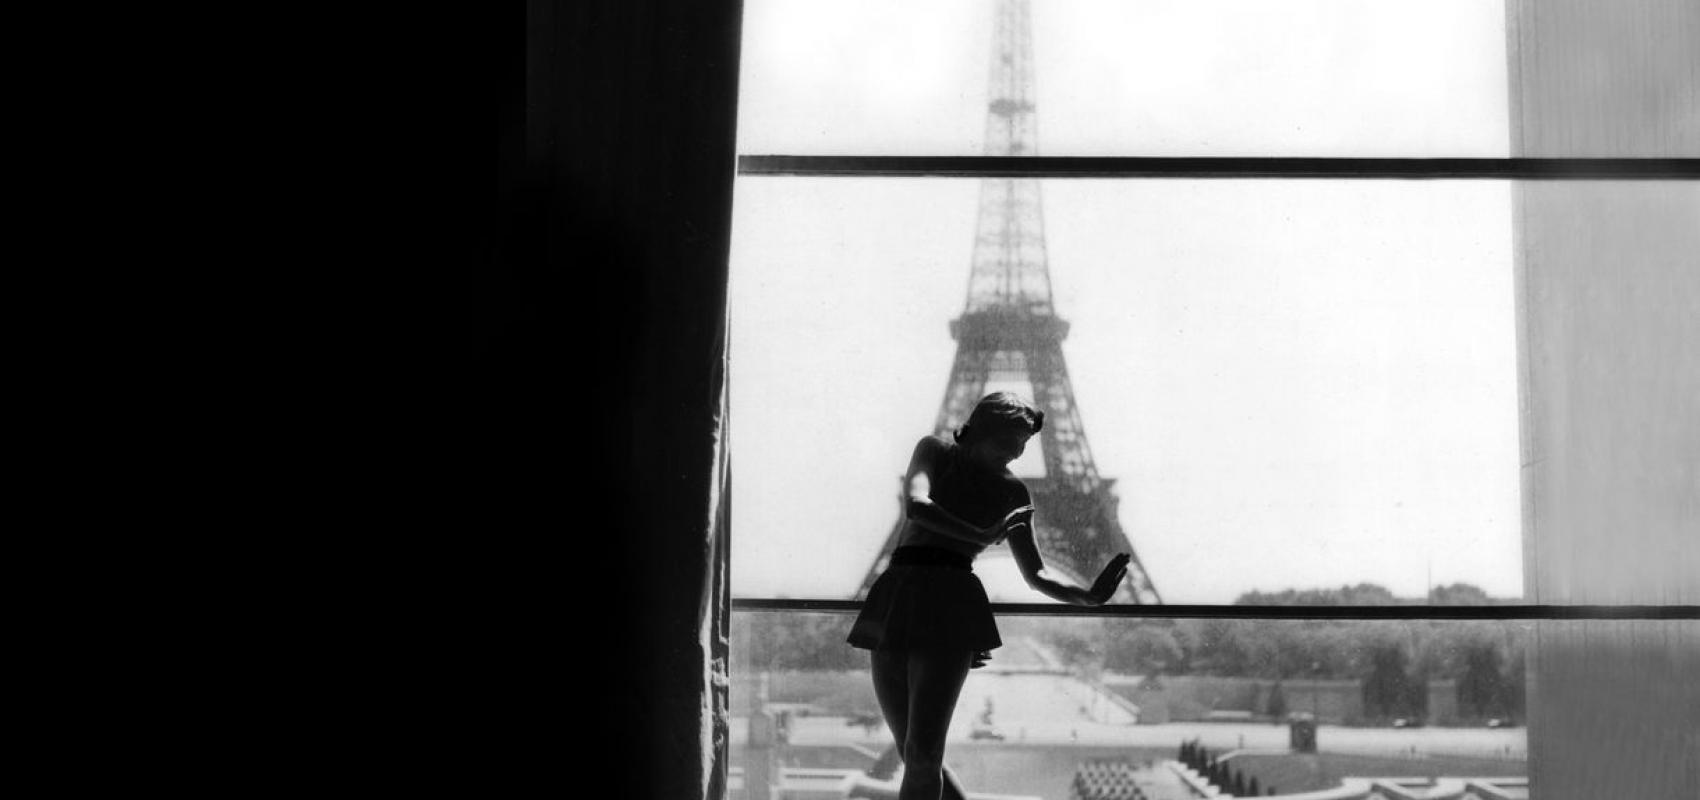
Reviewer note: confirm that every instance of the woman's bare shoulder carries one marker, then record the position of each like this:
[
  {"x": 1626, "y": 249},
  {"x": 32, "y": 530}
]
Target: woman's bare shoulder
[
  {"x": 930, "y": 454},
  {"x": 1016, "y": 489},
  {"x": 932, "y": 444}
]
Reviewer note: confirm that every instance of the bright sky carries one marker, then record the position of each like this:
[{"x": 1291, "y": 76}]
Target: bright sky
[
  {"x": 1295, "y": 383},
  {"x": 1132, "y": 77}
]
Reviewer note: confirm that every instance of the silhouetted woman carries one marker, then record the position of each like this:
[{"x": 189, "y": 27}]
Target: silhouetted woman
[{"x": 927, "y": 619}]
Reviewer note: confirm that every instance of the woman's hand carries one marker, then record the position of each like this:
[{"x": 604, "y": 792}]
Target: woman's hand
[
  {"x": 1108, "y": 580},
  {"x": 980, "y": 659},
  {"x": 1014, "y": 519}
]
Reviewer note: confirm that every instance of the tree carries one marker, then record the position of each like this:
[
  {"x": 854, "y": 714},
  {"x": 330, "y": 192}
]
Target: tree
[
  {"x": 1220, "y": 646},
  {"x": 1459, "y": 594},
  {"x": 1513, "y": 687},
  {"x": 1481, "y": 690},
  {"x": 793, "y": 642},
  {"x": 1367, "y": 594},
  {"x": 1276, "y": 705},
  {"x": 1146, "y": 649},
  {"x": 1363, "y": 594},
  {"x": 1078, "y": 642},
  {"x": 1386, "y": 689}
]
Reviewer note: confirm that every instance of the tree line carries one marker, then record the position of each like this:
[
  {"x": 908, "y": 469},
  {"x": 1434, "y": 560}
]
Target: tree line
[{"x": 1394, "y": 660}]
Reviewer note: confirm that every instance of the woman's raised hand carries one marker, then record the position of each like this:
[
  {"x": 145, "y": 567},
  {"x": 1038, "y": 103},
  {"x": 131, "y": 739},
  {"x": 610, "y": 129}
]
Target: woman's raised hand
[
  {"x": 1014, "y": 519},
  {"x": 1109, "y": 579}
]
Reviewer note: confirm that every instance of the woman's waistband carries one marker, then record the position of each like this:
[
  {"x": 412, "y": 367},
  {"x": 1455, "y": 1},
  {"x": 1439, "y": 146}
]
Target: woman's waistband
[{"x": 915, "y": 555}]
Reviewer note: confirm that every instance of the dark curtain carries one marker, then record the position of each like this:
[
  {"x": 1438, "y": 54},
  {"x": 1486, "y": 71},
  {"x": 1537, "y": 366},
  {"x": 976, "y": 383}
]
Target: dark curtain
[{"x": 594, "y": 399}]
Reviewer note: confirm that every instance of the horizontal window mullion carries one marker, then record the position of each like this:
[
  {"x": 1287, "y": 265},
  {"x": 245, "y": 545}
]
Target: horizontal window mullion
[
  {"x": 1167, "y": 611},
  {"x": 1206, "y": 167}
]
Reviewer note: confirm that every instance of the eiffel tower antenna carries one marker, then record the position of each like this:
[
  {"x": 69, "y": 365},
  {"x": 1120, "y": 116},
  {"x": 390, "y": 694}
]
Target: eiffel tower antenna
[{"x": 1009, "y": 332}]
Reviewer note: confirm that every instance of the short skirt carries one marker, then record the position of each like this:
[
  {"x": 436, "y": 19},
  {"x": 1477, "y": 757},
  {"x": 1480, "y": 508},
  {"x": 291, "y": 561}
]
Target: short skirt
[{"x": 927, "y": 598}]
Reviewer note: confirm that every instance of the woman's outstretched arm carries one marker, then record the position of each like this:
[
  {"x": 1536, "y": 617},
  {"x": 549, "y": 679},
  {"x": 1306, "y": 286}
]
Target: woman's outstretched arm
[
  {"x": 920, "y": 508},
  {"x": 1033, "y": 569}
]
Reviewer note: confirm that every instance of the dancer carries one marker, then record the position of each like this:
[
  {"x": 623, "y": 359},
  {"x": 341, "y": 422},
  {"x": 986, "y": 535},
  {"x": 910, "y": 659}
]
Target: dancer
[{"x": 926, "y": 619}]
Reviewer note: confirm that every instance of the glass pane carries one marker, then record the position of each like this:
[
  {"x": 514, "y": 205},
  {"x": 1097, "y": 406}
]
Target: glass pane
[
  {"x": 1393, "y": 78},
  {"x": 1073, "y": 704},
  {"x": 1284, "y": 386}
]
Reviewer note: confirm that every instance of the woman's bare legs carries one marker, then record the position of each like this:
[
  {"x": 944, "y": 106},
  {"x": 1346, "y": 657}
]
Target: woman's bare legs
[{"x": 917, "y": 692}]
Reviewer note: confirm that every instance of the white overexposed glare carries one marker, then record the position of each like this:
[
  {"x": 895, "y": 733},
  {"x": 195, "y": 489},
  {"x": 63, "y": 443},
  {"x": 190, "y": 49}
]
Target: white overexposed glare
[
  {"x": 1294, "y": 383},
  {"x": 1368, "y": 78}
]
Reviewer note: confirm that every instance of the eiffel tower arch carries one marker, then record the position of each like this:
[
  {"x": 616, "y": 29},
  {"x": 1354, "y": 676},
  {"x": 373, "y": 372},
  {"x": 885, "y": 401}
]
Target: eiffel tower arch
[{"x": 1009, "y": 334}]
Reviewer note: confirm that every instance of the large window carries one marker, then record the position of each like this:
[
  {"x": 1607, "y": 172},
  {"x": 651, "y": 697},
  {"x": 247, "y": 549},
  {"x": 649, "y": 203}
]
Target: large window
[
  {"x": 1295, "y": 383},
  {"x": 1281, "y": 236}
]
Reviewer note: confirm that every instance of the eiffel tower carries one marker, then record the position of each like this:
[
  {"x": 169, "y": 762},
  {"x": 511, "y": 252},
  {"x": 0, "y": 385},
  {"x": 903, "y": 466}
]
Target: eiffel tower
[{"x": 1009, "y": 333}]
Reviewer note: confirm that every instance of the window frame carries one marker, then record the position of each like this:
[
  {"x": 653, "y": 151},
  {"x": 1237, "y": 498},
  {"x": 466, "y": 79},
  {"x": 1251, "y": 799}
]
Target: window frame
[{"x": 1220, "y": 167}]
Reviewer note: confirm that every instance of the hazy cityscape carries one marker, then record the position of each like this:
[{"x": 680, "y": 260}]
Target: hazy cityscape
[{"x": 1386, "y": 698}]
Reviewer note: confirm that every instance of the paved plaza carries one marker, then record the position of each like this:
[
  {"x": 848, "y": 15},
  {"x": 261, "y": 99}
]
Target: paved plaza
[
  {"x": 1051, "y": 709},
  {"x": 1047, "y": 724}
]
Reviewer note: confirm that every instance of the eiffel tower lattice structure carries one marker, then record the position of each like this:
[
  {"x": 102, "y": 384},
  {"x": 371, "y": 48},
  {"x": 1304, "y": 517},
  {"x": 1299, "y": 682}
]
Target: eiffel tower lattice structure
[{"x": 1009, "y": 334}]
